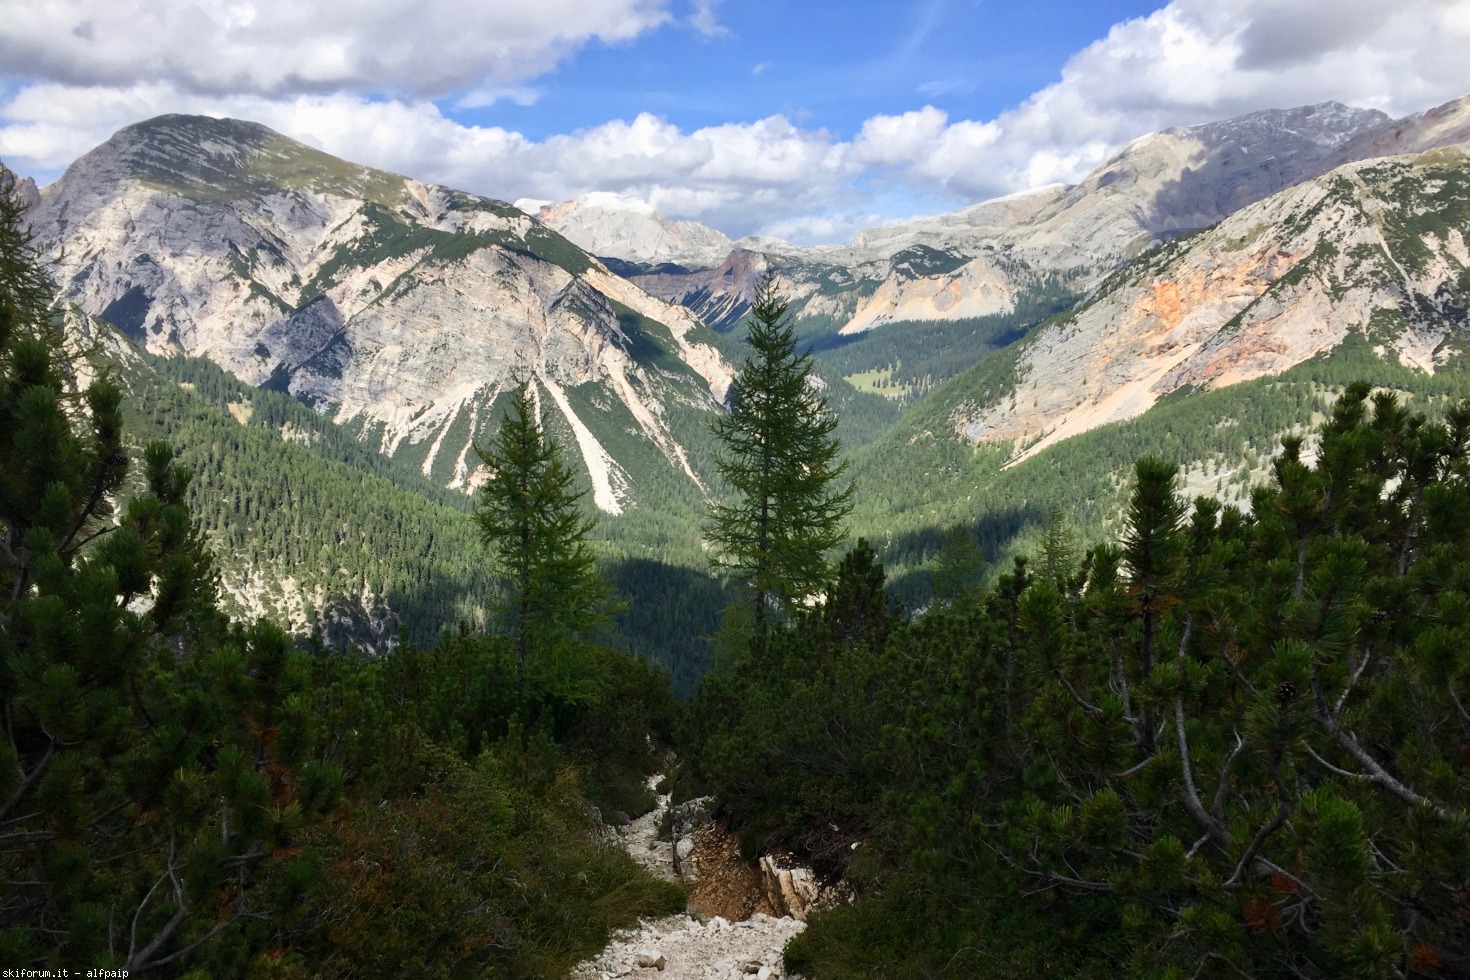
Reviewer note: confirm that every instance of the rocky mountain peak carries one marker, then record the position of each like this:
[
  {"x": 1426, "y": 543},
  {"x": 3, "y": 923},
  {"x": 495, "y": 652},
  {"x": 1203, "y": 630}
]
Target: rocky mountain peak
[
  {"x": 1194, "y": 176},
  {"x": 176, "y": 150},
  {"x": 1326, "y": 124},
  {"x": 223, "y": 160},
  {"x": 403, "y": 310},
  {"x": 623, "y": 226},
  {"x": 27, "y": 193}
]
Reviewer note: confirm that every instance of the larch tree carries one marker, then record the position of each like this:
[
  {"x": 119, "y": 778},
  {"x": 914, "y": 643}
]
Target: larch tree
[{"x": 783, "y": 464}]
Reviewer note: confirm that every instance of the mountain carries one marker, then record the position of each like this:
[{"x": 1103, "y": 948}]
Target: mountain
[
  {"x": 1206, "y": 350},
  {"x": 399, "y": 309},
  {"x": 1376, "y": 247},
  {"x": 625, "y": 227},
  {"x": 974, "y": 262},
  {"x": 905, "y": 307}
]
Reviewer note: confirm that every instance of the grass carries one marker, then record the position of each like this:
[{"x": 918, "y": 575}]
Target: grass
[{"x": 879, "y": 382}]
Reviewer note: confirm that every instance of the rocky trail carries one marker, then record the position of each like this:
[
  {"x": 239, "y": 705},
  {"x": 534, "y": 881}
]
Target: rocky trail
[{"x": 733, "y": 929}]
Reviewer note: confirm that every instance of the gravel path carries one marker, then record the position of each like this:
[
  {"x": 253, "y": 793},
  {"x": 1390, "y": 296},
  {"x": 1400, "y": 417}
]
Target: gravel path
[{"x": 685, "y": 947}]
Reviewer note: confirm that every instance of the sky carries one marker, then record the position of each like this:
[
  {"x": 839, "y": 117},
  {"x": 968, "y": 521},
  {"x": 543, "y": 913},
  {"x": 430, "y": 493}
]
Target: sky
[{"x": 805, "y": 120}]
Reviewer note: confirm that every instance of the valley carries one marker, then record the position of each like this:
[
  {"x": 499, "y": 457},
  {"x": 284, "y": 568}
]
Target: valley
[
  {"x": 962, "y": 347},
  {"x": 1139, "y": 651}
]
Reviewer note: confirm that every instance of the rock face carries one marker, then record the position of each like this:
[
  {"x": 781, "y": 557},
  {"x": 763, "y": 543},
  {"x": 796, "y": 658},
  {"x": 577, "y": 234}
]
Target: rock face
[
  {"x": 978, "y": 260},
  {"x": 27, "y": 193},
  {"x": 404, "y": 310},
  {"x": 791, "y": 890},
  {"x": 1377, "y": 249},
  {"x": 1444, "y": 125},
  {"x": 622, "y": 227}
]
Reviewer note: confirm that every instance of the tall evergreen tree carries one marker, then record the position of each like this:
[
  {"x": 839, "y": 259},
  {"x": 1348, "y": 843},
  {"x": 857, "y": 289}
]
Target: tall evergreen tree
[
  {"x": 782, "y": 462},
  {"x": 531, "y": 516}
]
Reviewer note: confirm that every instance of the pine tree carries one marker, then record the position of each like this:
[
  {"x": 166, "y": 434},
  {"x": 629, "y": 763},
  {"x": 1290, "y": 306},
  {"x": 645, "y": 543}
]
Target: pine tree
[
  {"x": 531, "y": 516},
  {"x": 782, "y": 462},
  {"x": 146, "y": 758}
]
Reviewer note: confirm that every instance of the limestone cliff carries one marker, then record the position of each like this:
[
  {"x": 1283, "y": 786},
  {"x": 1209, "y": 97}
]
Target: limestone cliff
[
  {"x": 401, "y": 309},
  {"x": 1376, "y": 247}
]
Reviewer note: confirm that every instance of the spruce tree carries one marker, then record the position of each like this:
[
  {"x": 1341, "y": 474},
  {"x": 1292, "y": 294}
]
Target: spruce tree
[
  {"x": 782, "y": 463},
  {"x": 530, "y": 514}
]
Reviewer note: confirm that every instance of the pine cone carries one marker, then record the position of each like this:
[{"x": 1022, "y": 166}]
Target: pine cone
[{"x": 1285, "y": 692}]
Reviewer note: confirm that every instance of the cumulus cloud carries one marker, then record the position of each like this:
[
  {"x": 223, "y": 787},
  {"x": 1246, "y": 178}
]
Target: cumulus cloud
[
  {"x": 361, "y": 92},
  {"x": 283, "y": 47},
  {"x": 1192, "y": 61}
]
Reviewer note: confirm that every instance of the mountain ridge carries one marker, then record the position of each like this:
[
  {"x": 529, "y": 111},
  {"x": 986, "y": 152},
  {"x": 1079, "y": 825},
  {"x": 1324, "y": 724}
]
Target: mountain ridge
[
  {"x": 398, "y": 307},
  {"x": 1159, "y": 184}
]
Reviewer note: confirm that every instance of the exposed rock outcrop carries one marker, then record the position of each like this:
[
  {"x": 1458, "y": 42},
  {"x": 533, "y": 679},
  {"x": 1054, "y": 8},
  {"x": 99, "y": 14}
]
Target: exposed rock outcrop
[
  {"x": 1377, "y": 248},
  {"x": 403, "y": 309},
  {"x": 728, "y": 935}
]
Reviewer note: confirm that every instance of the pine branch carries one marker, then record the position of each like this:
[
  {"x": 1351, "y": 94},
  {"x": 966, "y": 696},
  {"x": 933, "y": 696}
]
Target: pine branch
[
  {"x": 28, "y": 779},
  {"x": 1248, "y": 857},
  {"x": 1092, "y": 710},
  {"x": 1223, "y": 790},
  {"x": 1192, "y": 803}
]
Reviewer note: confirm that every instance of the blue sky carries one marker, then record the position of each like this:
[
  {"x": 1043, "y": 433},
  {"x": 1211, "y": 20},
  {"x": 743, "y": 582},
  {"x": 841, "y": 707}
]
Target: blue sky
[
  {"x": 809, "y": 121},
  {"x": 827, "y": 65}
]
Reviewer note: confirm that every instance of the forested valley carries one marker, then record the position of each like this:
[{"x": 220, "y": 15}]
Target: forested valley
[{"x": 1194, "y": 738}]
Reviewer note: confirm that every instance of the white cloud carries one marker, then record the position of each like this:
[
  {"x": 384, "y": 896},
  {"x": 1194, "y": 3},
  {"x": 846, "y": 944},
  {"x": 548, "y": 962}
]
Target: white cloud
[
  {"x": 905, "y": 139},
  {"x": 283, "y": 47},
  {"x": 478, "y": 98},
  {"x": 359, "y": 89},
  {"x": 1189, "y": 62},
  {"x": 704, "y": 20}
]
